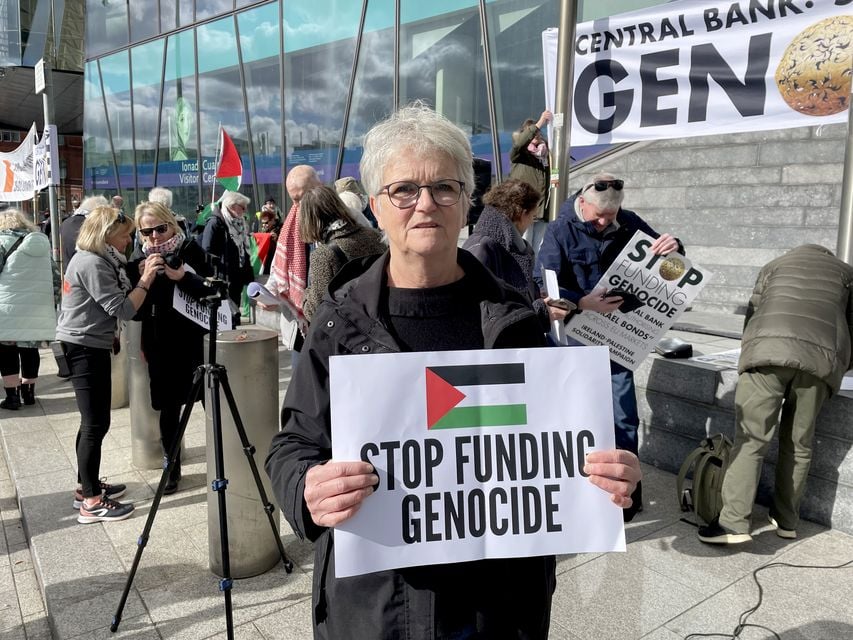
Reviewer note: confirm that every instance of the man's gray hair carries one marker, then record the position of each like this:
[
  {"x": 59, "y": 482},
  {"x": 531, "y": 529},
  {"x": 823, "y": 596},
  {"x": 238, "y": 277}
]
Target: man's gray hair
[
  {"x": 90, "y": 203},
  {"x": 161, "y": 195},
  {"x": 230, "y": 198},
  {"x": 607, "y": 200},
  {"x": 417, "y": 130}
]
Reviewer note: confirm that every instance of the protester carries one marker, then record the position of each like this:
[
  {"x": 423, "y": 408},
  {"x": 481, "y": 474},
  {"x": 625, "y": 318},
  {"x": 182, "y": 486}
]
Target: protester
[
  {"x": 353, "y": 196},
  {"x": 226, "y": 240},
  {"x": 172, "y": 344},
  {"x": 325, "y": 220},
  {"x": 270, "y": 209},
  {"x": 96, "y": 293},
  {"x": 29, "y": 293},
  {"x": 509, "y": 209},
  {"x": 529, "y": 163},
  {"x": 70, "y": 227},
  {"x": 796, "y": 347},
  {"x": 269, "y": 223},
  {"x": 118, "y": 203},
  {"x": 423, "y": 294},
  {"x": 590, "y": 232}
]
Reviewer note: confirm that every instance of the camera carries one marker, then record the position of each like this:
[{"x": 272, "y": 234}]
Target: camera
[{"x": 173, "y": 260}]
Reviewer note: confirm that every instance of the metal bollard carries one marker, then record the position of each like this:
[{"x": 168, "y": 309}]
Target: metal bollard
[
  {"x": 118, "y": 364},
  {"x": 146, "y": 451},
  {"x": 250, "y": 357}
]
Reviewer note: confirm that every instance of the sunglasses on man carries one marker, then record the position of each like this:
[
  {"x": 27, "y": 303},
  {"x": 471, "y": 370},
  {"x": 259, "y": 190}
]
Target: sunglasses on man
[
  {"x": 604, "y": 185},
  {"x": 160, "y": 229}
]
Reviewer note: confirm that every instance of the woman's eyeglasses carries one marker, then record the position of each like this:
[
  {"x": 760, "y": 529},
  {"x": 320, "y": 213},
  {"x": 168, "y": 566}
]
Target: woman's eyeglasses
[
  {"x": 404, "y": 194},
  {"x": 160, "y": 229},
  {"x": 603, "y": 185}
]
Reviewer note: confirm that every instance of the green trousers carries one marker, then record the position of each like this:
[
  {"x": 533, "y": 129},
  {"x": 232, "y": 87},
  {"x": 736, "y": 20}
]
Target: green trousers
[{"x": 761, "y": 394}]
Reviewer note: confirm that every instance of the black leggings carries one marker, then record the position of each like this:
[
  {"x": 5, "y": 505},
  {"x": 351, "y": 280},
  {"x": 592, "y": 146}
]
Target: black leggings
[
  {"x": 91, "y": 377},
  {"x": 23, "y": 360}
]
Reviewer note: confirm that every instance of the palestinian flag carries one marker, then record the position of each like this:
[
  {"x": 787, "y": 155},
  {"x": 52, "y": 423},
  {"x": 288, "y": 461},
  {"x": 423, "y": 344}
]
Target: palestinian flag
[
  {"x": 485, "y": 384},
  {"x": 229, "y": 168}
]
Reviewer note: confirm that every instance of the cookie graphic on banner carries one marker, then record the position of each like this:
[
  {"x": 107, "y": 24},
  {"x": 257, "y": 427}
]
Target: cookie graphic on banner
[{"x": 813, "y": 76}]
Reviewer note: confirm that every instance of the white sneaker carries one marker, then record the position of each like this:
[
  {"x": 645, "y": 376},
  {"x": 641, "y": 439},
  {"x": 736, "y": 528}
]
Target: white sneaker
[{"x": 788, "y": 534}]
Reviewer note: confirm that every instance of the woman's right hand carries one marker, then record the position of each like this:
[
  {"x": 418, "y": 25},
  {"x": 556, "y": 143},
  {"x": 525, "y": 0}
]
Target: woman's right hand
[
  {"x": 544, "y": 119},
  {"x": 149, "y": 268},
  {"x": 334, "y": 491}
]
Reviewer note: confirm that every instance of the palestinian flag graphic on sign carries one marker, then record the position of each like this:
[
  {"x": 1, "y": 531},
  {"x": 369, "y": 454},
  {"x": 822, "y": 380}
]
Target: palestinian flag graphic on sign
[{"x": 485, "y": 384}]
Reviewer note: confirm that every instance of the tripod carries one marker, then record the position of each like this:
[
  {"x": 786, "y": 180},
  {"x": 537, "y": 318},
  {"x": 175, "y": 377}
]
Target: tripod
[{"x": 216, "y": 377}]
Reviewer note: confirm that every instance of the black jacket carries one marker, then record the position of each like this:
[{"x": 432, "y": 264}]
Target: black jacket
[
  {"x": 217, "y": 243},
  {"x": 511, "y": 598},
  {"x": 172, "y": 343},
  {"x": 68, "y": 232}
]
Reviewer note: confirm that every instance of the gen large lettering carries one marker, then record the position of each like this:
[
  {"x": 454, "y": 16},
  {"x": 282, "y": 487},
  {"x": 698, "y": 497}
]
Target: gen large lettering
[{"x": 621, "y": 100}]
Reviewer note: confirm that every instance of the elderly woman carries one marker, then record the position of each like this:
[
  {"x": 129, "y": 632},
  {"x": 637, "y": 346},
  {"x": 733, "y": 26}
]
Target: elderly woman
[
  {"x": 171, "y": 342},
  {"x": 497, "y": 242},
  {"x": 423, "y": 294},
  {"x": 29, "y": 292},
  {"x": 226, "y": 240},
  {"x": 98, "y": 293},
  {"x": 324, "y": 219}
]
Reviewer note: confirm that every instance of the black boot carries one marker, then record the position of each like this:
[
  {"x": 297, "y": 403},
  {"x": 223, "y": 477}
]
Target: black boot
[
  {"x": 174, "y": 475},
  {"x": 12, "y": 401},
  {"x": 636, "y": 504},
  {"x": 28, "y": 393}
]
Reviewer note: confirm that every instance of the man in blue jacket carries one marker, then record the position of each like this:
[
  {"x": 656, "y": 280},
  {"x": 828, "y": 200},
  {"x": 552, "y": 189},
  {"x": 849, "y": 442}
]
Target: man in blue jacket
[{"x": 590, "y": 232}]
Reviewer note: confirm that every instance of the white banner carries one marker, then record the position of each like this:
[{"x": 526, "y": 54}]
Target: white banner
[
  {"x": 698, "y": 67},
  {"x": 479, "y": 453},
  {"x": 659, "y": 288},
  {"x": 16, "y": 170},
  {"x": 199, "y": 313},
  {"x": 29, "y": 168}
]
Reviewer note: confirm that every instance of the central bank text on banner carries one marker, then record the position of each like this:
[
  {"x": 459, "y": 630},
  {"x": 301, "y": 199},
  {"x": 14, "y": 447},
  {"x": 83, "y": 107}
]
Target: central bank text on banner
[
  {"x": 661, "y": 287},
  {"x": 479, "y": 454},
  {"x": 692, "y": 68}
]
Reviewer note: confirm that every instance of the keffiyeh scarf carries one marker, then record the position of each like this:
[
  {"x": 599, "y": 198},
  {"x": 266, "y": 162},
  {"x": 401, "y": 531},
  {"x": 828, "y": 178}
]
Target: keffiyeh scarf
[
  {"x": 238, "y": 232},
  {"x": 119, "y": 262},
  {"x": 290, "y": 266}
]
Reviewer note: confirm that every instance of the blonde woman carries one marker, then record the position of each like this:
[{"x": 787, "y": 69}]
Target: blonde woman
[
  {"x": 172, "y": 343},
  {"x": 29, "y": 291},
  {"x": 96, "y": 294}
]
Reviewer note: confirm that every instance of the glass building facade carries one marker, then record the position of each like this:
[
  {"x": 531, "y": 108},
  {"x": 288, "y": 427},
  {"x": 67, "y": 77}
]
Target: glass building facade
[{"x": 297, "y": 82}]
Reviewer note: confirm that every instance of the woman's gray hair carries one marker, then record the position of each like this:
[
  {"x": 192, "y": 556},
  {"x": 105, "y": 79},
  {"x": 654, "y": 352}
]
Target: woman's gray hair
[
  {"x": 15, "y": 219},
  {"x": 230, "y": 198},
  {"x": 422, "y": 132},
  {"x": 161, "y": 195},
  {"x": 91, "y": 203}
]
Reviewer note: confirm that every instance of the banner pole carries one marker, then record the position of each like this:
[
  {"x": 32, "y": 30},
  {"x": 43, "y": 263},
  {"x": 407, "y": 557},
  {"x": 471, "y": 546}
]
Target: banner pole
[
  {"x": 845, "y": 219},
  {"x": 562, "y": 123},
  {"x": 47, "y": 103},
  {"x": 216, "y": 163}
]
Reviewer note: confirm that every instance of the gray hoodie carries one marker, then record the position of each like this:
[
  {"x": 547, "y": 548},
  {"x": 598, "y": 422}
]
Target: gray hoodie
[{"x": 92, "y": 301}]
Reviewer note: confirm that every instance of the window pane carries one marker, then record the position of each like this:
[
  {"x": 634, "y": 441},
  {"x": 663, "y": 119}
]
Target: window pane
[
  {"x": 259, "y": 41},
  {"x": 373, "y": 93},
  {"x": 222, "y": 99},
  {"x": 143, "y": 20},
  {"x": 317, "y": 78},
  {"x": 116, "y": 79},
  {"x": 147, "y": 65},
  {"x": 170, "y": 16},
  {"x": 209, "y": 8},
  {"x": 97, "y": 157},
  {"x": 106, "y": 26},
  {"x": 177, "y": 167}
]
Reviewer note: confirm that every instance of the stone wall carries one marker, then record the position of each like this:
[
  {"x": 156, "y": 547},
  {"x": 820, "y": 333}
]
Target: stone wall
[{"x": 736, "y": 201}]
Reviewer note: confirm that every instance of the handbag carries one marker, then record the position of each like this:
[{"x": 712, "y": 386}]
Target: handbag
[{"x": 62, "y": 365}]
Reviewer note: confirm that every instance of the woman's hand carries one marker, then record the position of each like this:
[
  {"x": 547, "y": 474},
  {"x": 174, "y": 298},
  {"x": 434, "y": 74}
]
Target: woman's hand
[
  {"x": 334, "y": 491},
  {"x": 174, "y": 274},
  {"x": 554, "y": 312},
  {"x": 544, "y": 119},
  {"x": 153, "y": 264},
  {"x": 616, "y": 471},
  {"x": 595, "y": 301},
  {"x": 664, "y": 244}
]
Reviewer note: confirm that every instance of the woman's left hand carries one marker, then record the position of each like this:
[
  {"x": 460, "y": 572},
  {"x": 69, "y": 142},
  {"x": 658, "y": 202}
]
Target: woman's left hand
[
  {"x": 174, "y": 274},
  {"x": 616, "y": 471},
  {"x": 664, "y": 244}
]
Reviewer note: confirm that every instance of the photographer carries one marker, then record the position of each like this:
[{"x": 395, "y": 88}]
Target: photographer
[{"x": 171, "y": 343}]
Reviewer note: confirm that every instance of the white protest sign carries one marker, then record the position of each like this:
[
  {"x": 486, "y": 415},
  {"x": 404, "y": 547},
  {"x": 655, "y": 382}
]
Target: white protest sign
[
  {"x": 199, "y": 313},
  {"x": 693, "y": 68},
  {"x": 479, "y": 455},
  {"x": 665, "y": 285}
]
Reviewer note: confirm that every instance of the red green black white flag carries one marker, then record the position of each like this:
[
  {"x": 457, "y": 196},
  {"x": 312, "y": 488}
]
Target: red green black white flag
[
  {"x": 443, "y": 396},
  {"x": 229, "y": 168}
]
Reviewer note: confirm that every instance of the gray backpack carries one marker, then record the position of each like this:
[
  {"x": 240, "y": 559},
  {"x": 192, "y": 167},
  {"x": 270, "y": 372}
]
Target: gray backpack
[{"x": 706, "y": 465}]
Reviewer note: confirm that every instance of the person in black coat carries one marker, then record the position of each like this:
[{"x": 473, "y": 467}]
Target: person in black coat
[
  {"x": 226, "y": 241},
  {"x": 171, "y": 343}
]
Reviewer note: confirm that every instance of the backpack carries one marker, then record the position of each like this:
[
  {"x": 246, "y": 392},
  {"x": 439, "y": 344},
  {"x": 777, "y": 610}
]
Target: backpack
[{"x": 707, "y": 465}]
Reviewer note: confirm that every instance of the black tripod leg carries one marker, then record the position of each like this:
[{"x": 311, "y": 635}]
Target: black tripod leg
[
  {"x": 249, "y": 450},
  {"x": 219, "y": 485},
  {"x": 195, "y": 393}
]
